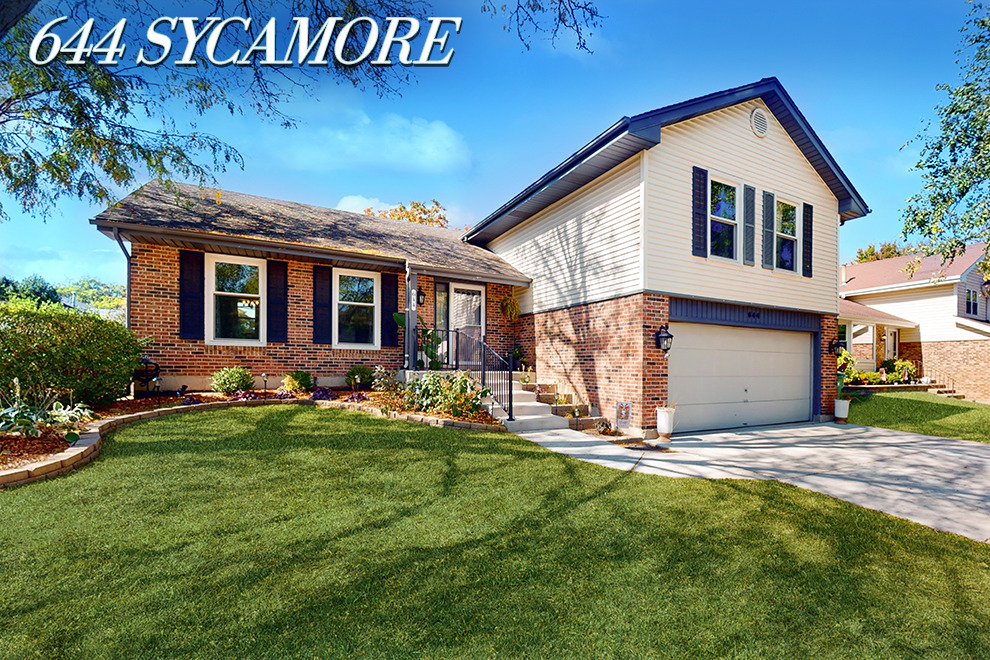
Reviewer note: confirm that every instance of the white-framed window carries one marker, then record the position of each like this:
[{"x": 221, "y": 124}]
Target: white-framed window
[
  {"x": 785, "y": 235},
  {"x": 723, "y": 219},
  {"x": 356, "y": 309},
  {"x": 972, "y": 303},
  {"x": 235, "y": 300}
]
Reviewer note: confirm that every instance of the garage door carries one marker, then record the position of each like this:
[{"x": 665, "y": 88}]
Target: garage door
[{"x": 725, "y": 377}]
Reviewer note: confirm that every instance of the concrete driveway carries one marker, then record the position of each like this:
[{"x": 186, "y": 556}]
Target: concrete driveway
[{"x": 942, "y": 483}]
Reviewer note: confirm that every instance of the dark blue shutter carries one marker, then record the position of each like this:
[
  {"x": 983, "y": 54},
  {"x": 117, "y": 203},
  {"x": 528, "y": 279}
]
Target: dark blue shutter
[
  {"x": 699, "y": 204},
  {"x": 191, "y": 296},
  {"x": 390, "y": 305},
  {"x": 278, "y": 301},
  {"x": 749, "y": 225},
  {"x": 769, "y": 218},
  {"x": 322, "y": 305},
  {"x": 809, "y": 215}
]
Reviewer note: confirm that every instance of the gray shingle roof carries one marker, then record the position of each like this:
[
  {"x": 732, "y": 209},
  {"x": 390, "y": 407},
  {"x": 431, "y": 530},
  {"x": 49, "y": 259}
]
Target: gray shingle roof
[{"x": 239, "y": 215}]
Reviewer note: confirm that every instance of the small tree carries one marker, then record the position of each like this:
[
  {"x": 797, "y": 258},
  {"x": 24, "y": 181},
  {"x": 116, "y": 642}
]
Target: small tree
[
  {"x": 434, "y": 215},
  {"x": 35, "y": 287},
  {"x": 887, "y": 250}
]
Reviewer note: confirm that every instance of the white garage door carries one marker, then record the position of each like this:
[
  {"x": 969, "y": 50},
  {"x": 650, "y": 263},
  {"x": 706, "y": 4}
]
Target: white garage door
[{"x": 724, "y": 377}]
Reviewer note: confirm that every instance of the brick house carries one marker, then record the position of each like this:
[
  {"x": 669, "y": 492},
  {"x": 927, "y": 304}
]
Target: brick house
[
  {"x": 230, "y": 279},
  {"x": 939, "y": 317},
  {"x": 717, "y": 218}
]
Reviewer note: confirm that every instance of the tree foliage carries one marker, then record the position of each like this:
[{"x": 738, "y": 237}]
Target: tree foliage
[
  {"x": 433, "y": 214},
  {"x": 95, "y": 293},
  {"x": 953, "y": 207},
  {"x": 887, "y": 250},
  {"x": 92, "y": 131},
  {"x": 32, "y": 287}
]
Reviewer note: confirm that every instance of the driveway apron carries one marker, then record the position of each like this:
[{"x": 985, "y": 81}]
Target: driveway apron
[{"x": 941, "y": 483}]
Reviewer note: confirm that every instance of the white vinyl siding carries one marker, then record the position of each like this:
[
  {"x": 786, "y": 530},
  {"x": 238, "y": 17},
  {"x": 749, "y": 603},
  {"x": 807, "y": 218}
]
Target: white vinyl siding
[
  {"x": 972, "y": 280},
  {"x": 723, "y": 142},
  {"x": 934, "y": 309},
  {"x": 584, "y": 248}
]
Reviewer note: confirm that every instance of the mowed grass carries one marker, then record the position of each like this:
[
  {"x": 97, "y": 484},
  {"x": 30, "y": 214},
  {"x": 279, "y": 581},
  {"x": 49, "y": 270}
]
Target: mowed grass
[
  {"x": 929, "y": 414},
  {"x": 290, "y": 531}
]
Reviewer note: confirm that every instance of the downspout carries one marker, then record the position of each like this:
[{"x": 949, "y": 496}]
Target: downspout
[{"x": 127, "y": 303}]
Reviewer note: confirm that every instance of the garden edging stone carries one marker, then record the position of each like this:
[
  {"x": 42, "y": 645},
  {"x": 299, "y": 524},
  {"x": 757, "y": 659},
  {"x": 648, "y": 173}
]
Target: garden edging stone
[{"x": 90, "y": 441}]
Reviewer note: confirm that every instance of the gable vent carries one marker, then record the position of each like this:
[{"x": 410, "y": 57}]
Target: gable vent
[{"x": 758, "y": 120}]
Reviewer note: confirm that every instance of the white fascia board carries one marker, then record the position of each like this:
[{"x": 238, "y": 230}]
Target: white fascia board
[{"x": 901, "y": 287}]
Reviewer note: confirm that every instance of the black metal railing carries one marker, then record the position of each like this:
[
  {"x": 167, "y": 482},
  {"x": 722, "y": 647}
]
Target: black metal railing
[{"x": 463, "y": 350}]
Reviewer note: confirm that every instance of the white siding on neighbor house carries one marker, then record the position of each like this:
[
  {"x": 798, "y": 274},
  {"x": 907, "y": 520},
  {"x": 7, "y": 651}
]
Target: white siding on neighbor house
[
  {"x": 584, "y": 248},
  {"x": 723, "y": 143},
  {"x": 972, "y": 281},
  {"x": 934, "y": 309}
]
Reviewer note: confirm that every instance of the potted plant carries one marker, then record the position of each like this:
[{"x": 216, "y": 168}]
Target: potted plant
[
  {"x": 842, "y": 401},
  {"x": 665, "y": 421}
]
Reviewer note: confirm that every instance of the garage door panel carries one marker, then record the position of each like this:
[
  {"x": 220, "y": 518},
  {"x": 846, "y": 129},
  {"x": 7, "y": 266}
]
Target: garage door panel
[{"x": 724, "y": 377}]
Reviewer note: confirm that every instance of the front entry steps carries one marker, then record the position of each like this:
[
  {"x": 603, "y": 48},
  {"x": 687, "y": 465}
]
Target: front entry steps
[{"x": 528, "y": 413}]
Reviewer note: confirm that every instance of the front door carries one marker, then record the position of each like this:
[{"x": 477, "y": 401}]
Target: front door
[
  {"x": 890, "y": 346},
  {"x": 467, "y": 316}
]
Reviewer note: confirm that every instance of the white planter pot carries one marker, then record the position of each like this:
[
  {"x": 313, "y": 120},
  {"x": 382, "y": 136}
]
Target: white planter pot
[
  {"x": 841, "y": 410},
  {"x": 665, "y": 422}
]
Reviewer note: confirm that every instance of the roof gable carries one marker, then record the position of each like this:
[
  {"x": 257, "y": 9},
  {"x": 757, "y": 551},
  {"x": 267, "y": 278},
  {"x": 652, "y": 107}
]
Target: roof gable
[{"x": 631, "y": 135}]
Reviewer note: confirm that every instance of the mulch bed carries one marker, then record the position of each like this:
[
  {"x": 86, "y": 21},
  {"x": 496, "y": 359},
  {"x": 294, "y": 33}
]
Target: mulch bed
[
  {"x": 382, "y": 400},
  {"x": 18, "y": 450}
]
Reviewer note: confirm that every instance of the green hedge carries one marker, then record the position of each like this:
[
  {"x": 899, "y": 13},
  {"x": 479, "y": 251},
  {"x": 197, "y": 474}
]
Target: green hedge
[{"x": 82, "y": 357}]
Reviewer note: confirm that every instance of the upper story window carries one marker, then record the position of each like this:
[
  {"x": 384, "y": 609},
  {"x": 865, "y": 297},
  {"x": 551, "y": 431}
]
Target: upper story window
[
  {"x": 234, "y": 301},
  {"x": 356, "y": 308},
  {"x": 786, "y": 235},
  {"x": 722, "y": 222},
  {"x": 972, "y": 303}
]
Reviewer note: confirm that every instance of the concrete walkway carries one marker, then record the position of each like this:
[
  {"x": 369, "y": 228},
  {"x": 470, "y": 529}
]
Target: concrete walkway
[{"x": 941, "y": 483}]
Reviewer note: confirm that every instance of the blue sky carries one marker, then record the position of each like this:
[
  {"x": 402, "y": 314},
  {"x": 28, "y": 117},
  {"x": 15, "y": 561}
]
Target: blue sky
[{"x": 474, "y": 134}]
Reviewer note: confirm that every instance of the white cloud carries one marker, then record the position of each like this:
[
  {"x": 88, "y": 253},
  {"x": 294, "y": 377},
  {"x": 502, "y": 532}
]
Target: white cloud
[
  {"x": 358, "y": 203},
  {"x": 387, "y": 143}
]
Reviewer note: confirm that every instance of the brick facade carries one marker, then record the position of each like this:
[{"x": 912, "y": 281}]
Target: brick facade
[
  {"x": 828, "y": 332},
  {"x": 964, "y": 362},
  {"x": 605, "y": 352},
  {"x": 154, "y": 281}
]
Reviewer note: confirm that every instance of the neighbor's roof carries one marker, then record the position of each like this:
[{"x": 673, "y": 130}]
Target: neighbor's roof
[
  {"x": 865, "y": 315},
  {"x": 249, "y": 225},
  {"x": 889, "y": 274},
  {"x": 629, "y": 136}
]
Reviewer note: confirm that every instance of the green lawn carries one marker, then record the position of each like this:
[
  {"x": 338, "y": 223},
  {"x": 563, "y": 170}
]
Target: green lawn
[
  {"x": 929, "y": 414},
  {"x": 297, "y": 532}
]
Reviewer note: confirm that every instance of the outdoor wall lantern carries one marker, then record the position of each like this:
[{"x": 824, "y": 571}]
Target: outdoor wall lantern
[
  {"x": 835, "y": 347},
  {"x": 663, "y": 338},
  {"x": 420, "y": 297}
]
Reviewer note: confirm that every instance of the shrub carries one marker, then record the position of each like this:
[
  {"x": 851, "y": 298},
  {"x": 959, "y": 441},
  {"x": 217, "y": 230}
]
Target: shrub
[
  {"x": 232, "y": 379},
  {"x": 47, "y": 415},
  {"x": 385, "y": 380},
  {"x": 81, "y": 357},
  {"x": 898, "y": 371},
  {"x": 454, "y": 394},
  {"x": 298, "y": 382},
  {"x": 359, "y": 376},
  {"x": 322, "y": 394}
]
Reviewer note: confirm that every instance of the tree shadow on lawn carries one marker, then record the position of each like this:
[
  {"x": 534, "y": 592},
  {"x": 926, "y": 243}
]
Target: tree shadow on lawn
[{"x": 489, "y": 546}]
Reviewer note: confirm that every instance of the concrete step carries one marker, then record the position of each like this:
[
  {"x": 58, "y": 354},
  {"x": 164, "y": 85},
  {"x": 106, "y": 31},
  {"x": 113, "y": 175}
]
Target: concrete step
[{"x": 535, "y": 423}]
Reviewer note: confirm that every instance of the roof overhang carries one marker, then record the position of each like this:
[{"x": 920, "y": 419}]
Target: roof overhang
[
  {"x": 619, "y": 143},
  {"x": 251, "y": 247},
  {"x": 628, "y": 136},
  {"x": 973, "y": 325},
  {"x": 889, "y": 288},
  {"x": 860, "y": 314}
]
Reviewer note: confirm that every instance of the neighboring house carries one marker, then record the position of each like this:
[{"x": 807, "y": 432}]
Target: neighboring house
[
  {"x": 940, "y": 317},
  {"x": 718, "y": 216},
  {"x": 70, "y": 302}
]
